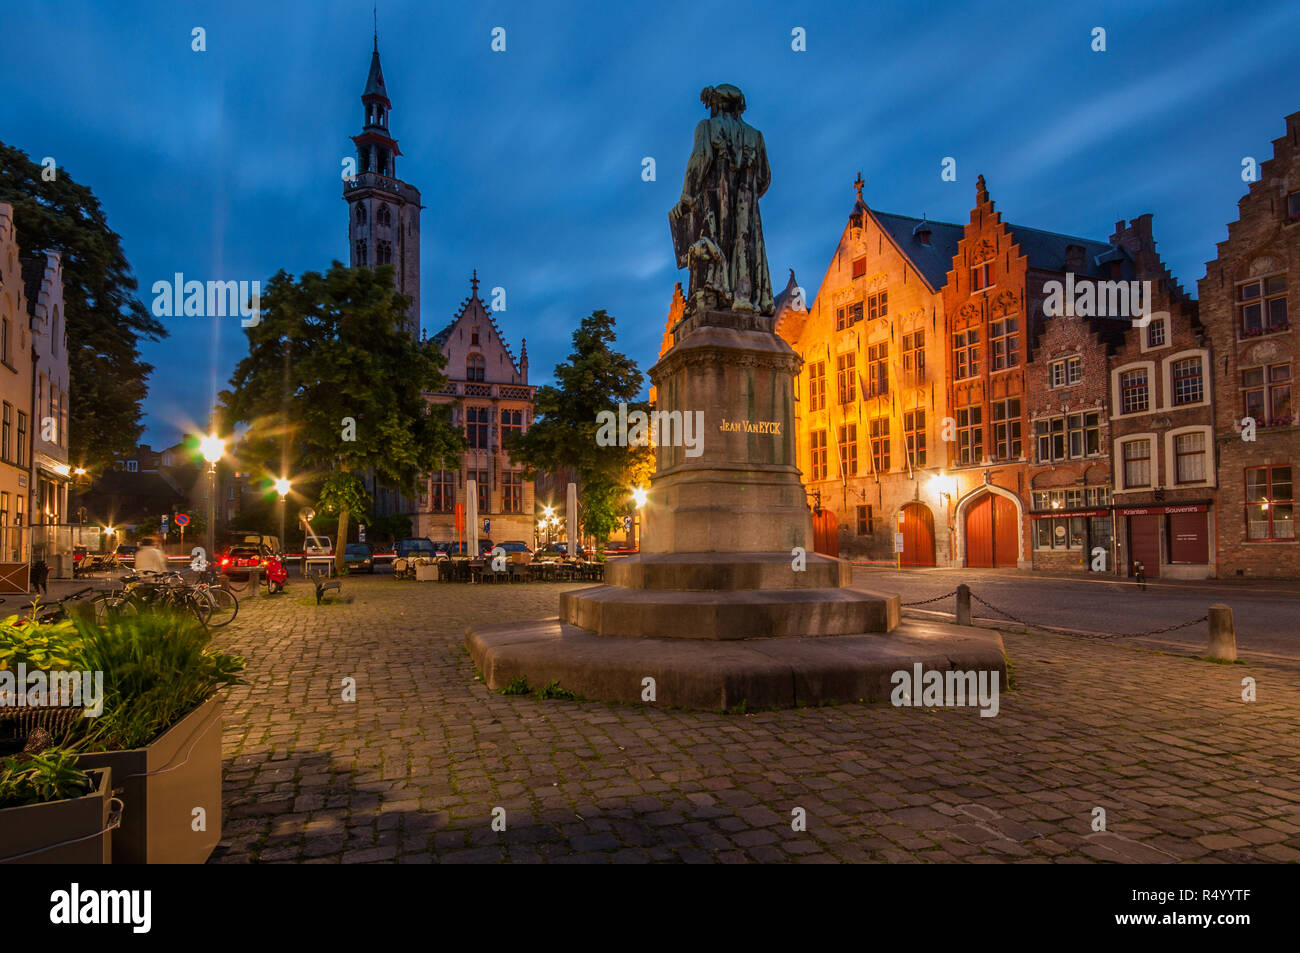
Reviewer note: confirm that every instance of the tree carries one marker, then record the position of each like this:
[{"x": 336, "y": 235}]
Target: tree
[
  {"x": 595, "y": 378},
  {"x": 104, "y": 319},
  {"x": 334, "y": 382}
]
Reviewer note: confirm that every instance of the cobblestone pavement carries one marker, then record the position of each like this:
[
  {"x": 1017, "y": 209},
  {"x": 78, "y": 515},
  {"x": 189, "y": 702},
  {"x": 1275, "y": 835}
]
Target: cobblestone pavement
[{"x": 412, "y": 770}]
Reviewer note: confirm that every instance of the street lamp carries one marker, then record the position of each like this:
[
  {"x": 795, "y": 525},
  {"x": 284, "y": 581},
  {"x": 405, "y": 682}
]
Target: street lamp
[
  {"x": 212, "y": 447},
  {"x": 639, "y": 495},
  {"x": 282, "y": 486}
]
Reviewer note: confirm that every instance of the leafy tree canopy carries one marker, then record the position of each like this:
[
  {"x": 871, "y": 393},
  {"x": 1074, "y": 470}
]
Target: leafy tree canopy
[
  {"x": 333, "y": 384},
  {"x": 594, "y": 378},
  {"x": 104, "y": 319}
]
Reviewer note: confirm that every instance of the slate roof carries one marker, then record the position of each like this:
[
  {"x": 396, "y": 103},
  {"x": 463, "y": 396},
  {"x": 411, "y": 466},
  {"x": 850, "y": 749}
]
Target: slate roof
[
  {"x": 375, "y": 81},
  {"x": 1046, "y": 250},
  {"x": 934, "y": 260}
]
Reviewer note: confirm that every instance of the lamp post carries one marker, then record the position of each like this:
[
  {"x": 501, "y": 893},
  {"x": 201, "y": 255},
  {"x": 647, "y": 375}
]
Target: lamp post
[
  {"x": 639, "y": 495},
  {"x": 282, "y": 486},
  {"x": 212, "y": 447}
]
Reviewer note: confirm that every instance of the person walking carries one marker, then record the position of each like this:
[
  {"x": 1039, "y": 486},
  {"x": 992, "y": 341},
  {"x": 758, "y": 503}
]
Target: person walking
[{"x": 149, "y": 558}]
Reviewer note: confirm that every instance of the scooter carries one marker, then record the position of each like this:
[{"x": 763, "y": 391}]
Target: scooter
[{"x": 276, "y": 575}]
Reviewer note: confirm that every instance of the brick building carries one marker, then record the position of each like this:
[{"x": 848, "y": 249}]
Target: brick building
[
  {"x": 871, "y": 393},
  {"x": 994, "y": 298},
  {"x": 491, "y": 398},
  {"x": 1161, "y": 421},
  {"x": 1244, "y": 303},
  {"x": 1069, "y": 476}
]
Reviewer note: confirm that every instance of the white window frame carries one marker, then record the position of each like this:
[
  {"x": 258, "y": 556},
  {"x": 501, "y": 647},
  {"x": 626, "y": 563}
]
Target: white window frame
[
  {"x": 1117, "y": 462},
  {"x": 1167, "y": 373},
  {"x": 1116, "y": 393},
  {"x": 1172, "y": 456}
]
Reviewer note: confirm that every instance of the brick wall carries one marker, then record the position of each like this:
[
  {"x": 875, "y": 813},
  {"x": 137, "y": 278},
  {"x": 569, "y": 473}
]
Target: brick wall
[{"x": 1263, "y": 242}]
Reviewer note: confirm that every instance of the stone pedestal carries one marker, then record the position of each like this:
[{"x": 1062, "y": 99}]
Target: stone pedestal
[{"x": 726, "y": 603}]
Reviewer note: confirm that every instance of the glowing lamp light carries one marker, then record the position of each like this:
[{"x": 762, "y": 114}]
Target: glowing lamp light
[
  {"x": 639, "y": 495},
  {"x": 212, "y": 447},
  {"x": 282, "y": 487}
]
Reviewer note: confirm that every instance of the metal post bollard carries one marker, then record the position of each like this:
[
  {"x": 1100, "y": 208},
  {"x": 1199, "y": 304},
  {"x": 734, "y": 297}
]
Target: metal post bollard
[
  {"x": 254, "y": 582},
  {"x": 1223, "y": 634},
  {"x": 963, "y": 604}
]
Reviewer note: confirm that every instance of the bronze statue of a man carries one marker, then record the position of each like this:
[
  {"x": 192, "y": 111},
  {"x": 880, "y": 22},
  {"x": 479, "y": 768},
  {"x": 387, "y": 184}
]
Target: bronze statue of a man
[{"x": 717, "y": 232}]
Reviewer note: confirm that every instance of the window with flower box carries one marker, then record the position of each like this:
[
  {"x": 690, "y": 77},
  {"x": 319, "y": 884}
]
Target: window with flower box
[{"x": 1261, "y": 304}]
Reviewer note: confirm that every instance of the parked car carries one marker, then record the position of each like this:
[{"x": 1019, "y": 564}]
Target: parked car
[
  {"x": 461, "y": 548},
  {"x": 415, "y": 546},
  {"x": 126, "y": 552},
  {"x": 622, "y": 549},
  {"x": 359, "y": 557},
  {"x": 272, "y": 543},
  {"x": 515, "y": 546},
  {"x": 317, "y": 546},
  {"x": 558, "y": 551},
  {"x": 237, "y": 561}
]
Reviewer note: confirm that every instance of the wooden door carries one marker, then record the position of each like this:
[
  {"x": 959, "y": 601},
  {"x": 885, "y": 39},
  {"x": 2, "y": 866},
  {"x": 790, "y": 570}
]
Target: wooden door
[
  {"x": 1144, "y": 544},
  {"x": 979, "y": 533},
  {"x": 1006, "y": 532},
  {"x": 918, "y": 535},
  {"x": 992, "y": 533},
  {"x": 826, "y": 533}
]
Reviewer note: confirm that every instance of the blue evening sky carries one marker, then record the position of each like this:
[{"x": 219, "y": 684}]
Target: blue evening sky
[{"x": 225, "y": 164}]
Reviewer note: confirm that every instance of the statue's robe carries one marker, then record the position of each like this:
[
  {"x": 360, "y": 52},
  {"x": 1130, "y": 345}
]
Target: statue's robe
[{"x": 726, "y": 175}]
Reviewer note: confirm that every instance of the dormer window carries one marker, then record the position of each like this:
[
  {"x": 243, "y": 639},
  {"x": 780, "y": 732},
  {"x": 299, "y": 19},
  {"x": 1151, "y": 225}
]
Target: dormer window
[{"x": 981, "y": 277}]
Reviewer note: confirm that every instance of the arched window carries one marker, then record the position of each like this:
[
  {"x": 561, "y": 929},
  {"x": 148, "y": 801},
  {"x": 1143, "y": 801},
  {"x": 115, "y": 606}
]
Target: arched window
[
  {"x": 361, "y": 215},
  {"x": 385, "y": 217},
  {"x": 384, "y": 253},
  {"x": 361, "y": 252},
  {"x": 475, "y": 367}
]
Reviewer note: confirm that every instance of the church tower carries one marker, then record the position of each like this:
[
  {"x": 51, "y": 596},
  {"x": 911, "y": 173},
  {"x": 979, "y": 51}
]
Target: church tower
[{"x": 383, "y": 211}]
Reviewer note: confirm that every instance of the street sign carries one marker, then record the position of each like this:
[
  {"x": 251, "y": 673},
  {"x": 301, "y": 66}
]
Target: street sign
[
  {"x": 898, "y": 542},
  {"x": 361, "y": 532},
  {"x": 487, "y": 526},
  {"x": 627, "y": 524},
  {"x": 162, "y": 527},
  {"x": 182, "y": 519}
]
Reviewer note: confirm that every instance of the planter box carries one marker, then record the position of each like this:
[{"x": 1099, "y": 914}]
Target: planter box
[
  {"x": 162, "y": 783},
  {"x": 427, "y": 573},
  {"x": 37, "y": 827}
]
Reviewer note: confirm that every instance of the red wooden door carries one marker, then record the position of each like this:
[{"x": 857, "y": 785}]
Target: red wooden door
[
  {"x": 1144, "y": 544},
  {"x": 918, "y": 536},
  {"x": 1006, "y": 532},
  {"x": 992, "y": 532},
  {"x": 979, "y": 533},
  {"x": 826, "y": 533}
]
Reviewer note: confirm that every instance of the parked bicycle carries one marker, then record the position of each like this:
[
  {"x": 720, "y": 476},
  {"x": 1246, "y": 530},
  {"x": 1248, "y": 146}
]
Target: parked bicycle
[{"x": 205, "y": 598}]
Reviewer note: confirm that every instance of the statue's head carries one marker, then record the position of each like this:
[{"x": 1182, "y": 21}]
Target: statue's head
[{"x": 725, "y": 98}]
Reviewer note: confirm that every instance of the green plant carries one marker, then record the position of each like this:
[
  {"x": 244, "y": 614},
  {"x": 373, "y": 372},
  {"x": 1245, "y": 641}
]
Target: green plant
[
  {"x": 517, "y": 686},
  {"x": 57, "y": 645},
  {"x": 553, "y": 690},
  {"x": 51, "y": 775},
  {"x": 157, "y": 669}
]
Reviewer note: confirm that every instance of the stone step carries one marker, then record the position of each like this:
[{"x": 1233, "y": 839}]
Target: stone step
[
  {"x": 758, "y": 673},
  {"x": 728, "y": 615}
]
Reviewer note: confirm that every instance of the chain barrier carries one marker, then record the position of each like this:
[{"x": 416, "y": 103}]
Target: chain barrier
[
  {"x": 927, "y": 601},
  {"x": 1035, "y": 625}
]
